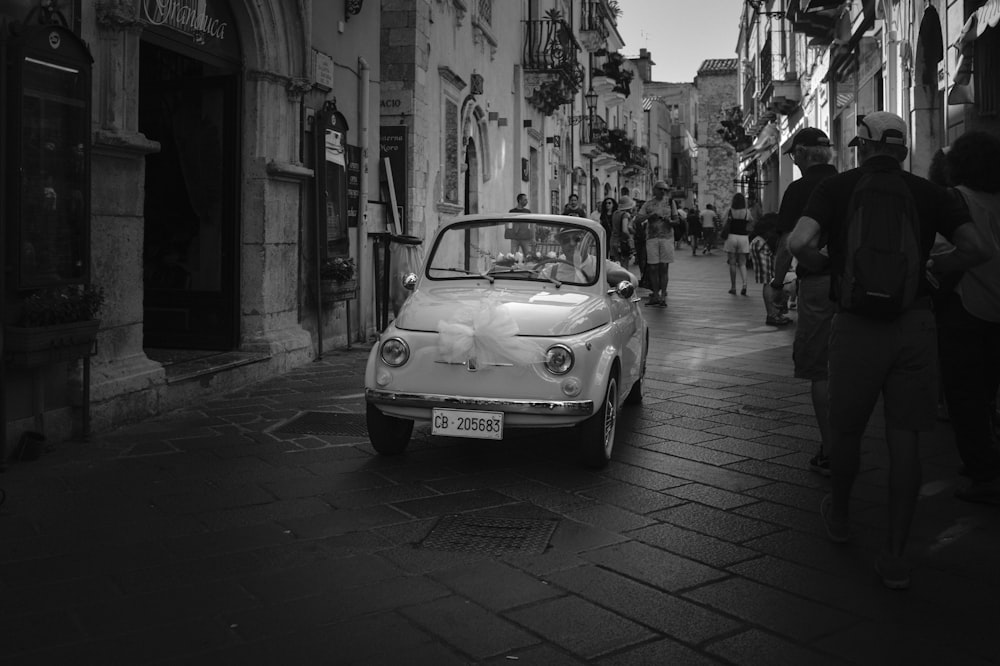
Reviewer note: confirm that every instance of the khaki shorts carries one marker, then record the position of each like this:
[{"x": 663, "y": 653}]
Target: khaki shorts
[
  {"x": 660, "y": 250},
  {"x": 812, "y": 329},
  {"x": 897, "y": 359}
]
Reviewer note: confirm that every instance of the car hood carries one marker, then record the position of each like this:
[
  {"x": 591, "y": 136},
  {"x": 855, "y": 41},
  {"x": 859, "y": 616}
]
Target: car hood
[{"x": 544, "y": 313}]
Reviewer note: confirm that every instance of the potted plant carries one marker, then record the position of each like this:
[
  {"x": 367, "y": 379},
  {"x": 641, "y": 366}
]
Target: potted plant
[
  {"x": 337, "y": 278},
  {"x": 55, "y": 324}
]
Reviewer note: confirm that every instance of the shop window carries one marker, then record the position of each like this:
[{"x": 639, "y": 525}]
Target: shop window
[{"x": 48, "y": 161}]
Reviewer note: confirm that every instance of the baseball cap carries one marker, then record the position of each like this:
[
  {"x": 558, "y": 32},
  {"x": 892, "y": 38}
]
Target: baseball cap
[
  {"x": 881, "y": 127},
  {"x": 660, "y": 185},
  {"x": 809, "y": 137}
]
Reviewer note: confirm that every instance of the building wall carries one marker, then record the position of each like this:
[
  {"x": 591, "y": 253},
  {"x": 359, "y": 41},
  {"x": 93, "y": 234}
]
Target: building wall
[{"x": 716, "y": 158}]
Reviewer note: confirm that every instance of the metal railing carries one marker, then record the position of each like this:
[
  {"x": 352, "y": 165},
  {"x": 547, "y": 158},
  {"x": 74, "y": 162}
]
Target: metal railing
[{"x": 549, "y": 45}]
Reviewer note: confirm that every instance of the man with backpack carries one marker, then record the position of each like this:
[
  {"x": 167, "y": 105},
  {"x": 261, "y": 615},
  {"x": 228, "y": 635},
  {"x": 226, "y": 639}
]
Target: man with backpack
[{"x": 880, "y": 223}]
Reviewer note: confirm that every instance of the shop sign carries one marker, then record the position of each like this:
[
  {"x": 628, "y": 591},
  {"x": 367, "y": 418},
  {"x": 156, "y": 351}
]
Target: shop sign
[
  {"x": 353, "y": 184},
  {"x": 203, "y": 21},
  {"x": 396, "y": 103}
]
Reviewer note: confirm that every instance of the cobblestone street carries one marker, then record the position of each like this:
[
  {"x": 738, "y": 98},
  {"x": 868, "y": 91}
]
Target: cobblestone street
[{"x": 220, "y": 535}]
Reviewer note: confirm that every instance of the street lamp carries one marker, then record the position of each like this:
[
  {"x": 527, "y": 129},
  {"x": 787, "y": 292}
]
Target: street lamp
[{"x": 591, "y": 100}]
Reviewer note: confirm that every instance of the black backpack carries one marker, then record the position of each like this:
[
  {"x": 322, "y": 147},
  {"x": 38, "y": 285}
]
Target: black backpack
[{"x": 882, "y": 265}]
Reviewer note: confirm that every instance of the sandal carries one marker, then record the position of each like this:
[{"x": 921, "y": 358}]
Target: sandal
[{"x": 743, "y": 291}]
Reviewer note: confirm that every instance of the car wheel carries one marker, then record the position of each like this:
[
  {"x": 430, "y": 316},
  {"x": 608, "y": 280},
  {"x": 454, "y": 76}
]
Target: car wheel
[
  {"x": 389, "y": 436},
  {"x": 597, "y": 434}
]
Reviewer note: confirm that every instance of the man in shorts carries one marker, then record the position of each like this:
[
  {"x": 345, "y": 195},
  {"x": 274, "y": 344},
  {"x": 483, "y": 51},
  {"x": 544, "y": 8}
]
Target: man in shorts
[
  {"x": 895, "y": 358},
  {"x": 810, "y": 152},
  {"x": 657, "y": 215}
]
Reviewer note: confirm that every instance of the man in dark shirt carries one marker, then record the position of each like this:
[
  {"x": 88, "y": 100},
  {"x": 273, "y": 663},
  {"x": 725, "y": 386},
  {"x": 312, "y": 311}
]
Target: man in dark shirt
[
  {"x": 896, "y": 358},
  {"x": 521, "y": 233},
  {"x": 811, "y": 152}
]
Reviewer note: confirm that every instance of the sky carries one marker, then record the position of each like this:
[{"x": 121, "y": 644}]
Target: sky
[{"x": 680, "y": 34}]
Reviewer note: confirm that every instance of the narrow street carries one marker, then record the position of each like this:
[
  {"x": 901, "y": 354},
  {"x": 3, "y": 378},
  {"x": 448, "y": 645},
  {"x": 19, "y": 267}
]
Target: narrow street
[{"x": 258, "y": 529}]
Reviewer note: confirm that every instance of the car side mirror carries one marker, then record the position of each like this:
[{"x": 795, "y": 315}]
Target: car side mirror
[
  {"x": 625, "y": 289},
  {"x": 410, "y": 281}
]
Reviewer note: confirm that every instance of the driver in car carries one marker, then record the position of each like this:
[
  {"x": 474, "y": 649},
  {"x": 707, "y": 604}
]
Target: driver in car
[{"x": 581, "y": 261}]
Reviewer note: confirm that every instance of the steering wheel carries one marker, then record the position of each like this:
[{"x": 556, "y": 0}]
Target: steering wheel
[{"x": 556, "y": 260}]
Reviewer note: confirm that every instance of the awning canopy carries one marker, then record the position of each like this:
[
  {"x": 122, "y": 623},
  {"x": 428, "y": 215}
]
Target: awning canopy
[
  {"x": 763, "y": 146},
  {"x": 978, "y": 22}
]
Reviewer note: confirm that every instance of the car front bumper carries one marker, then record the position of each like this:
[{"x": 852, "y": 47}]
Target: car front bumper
[{"x": 397, "y": 399}]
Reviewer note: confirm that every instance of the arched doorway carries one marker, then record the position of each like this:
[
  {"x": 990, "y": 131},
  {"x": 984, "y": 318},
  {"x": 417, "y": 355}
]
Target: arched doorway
[{"x": 188, "y": 103}]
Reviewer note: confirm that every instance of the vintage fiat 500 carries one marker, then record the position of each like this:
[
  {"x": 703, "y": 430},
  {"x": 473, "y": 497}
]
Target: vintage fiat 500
[{"x": 515, "y": 321}]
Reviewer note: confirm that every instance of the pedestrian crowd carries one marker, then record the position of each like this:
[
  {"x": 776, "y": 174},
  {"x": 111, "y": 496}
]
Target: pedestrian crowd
[{"x": 895, "y": 280}]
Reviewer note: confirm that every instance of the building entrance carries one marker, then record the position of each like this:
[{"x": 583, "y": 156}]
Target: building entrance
[{"x": 190, "y": 251}]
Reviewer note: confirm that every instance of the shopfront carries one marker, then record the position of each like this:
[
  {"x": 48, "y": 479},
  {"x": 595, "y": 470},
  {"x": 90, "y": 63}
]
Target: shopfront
[{"x": 189, "y": 85}]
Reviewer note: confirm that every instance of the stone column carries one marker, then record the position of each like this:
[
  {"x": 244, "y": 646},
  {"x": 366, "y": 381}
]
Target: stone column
[
  {"x": 273, "y": 190},
  {"x": 124, "y": 382}
]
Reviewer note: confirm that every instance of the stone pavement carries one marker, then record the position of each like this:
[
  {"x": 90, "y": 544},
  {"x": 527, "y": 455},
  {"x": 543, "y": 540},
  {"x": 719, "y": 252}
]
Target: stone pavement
[{"x": 214, "y": 535}]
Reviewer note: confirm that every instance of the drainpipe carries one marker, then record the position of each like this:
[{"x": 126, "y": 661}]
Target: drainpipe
[{"x": 364, "y": 90}]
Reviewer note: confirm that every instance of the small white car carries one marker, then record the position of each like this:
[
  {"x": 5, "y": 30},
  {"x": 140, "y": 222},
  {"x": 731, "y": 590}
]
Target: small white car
[{"x": 512, "y": 323}]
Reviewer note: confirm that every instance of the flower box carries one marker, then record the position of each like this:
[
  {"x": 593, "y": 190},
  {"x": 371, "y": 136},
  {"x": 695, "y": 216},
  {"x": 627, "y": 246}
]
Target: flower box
[
  {"x": 34, "y": 346},
  {"x": 332, "y": 291}
]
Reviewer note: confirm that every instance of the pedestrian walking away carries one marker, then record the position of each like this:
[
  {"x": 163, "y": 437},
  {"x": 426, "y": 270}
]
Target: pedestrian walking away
[
  {"x": 881, "y": 345},
  {"x": 811, "y": 152},
  {"x": 656, "y": 215},
  {"x": 709, "y": 223},
  {"x": 620, "y": 243},
  {"x": 968, "y": 318},
  {"x": 737, "y": 245}
]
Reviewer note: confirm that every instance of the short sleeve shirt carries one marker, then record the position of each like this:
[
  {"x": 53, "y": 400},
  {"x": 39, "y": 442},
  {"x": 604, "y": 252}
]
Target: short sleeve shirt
[
  {"x": 660, "y": 227},
  {"x": 940, "y": 212}
]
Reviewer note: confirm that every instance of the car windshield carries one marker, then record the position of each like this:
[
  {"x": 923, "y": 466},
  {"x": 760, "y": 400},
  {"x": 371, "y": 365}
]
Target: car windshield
[{"x": 516, "y": 249}]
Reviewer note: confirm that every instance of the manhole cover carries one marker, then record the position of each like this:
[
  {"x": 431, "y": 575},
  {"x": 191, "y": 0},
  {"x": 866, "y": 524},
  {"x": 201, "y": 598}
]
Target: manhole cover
[
  {"x": 326, "y": 423},
  {"x": 495, "y": 536}
]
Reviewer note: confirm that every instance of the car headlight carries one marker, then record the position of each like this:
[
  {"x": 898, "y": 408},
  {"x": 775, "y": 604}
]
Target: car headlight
[
  {"x": 394, "y": 352},
  {"x": 559, "y": 359}
]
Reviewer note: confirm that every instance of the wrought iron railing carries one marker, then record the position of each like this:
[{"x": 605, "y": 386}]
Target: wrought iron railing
[
  {"x": 549, "y": 46},
  {"x": 593, "y": 17},
  {"x": 595, "y": 129}
]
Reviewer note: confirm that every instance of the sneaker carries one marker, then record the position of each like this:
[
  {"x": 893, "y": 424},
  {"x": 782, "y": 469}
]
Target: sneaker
[
  {"x": 838, "y": 532},
  {"x": 820, "y": 464},
  {"x": 894, "y": 571}
]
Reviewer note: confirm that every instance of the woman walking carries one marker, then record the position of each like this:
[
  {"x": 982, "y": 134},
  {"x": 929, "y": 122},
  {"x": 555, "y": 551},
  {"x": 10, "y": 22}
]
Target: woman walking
[{"x": 737, "y": 245}]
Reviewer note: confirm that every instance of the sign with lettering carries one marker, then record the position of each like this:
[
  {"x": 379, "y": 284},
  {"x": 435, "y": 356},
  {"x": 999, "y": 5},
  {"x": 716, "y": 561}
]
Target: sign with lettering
[
  {"x": 396, "y": 103},
  {"x": 392, "y": 145},
  {"x": 323, "y": 69},
  {"x": 205, "y": 24},
  {"x": 353, "y": 185}
]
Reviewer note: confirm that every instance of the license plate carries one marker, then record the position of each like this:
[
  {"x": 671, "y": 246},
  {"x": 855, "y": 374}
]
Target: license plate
[{"x": 465, "y": 423}]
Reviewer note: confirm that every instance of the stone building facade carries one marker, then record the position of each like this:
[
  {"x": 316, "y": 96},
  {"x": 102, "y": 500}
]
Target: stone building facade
[
  {"x": 202, "y": 225},
  {"x": 716, "y": 83}
]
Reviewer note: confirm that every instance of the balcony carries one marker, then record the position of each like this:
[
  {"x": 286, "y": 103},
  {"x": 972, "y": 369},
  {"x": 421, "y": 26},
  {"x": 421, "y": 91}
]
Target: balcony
[
  {"x": 550, "y": 60},
  {"x": 595, "y": 17},
  {"x": 816, "y": 19},
  {"x": 785, "y": 97},
  {"x": 592, "y": 135}
]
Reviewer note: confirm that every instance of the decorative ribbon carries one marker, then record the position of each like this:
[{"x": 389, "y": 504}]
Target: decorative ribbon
[{"x": 487, "y": 333}]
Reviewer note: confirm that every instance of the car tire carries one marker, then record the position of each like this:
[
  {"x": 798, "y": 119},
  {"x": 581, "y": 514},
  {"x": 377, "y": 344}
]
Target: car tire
[
  {"x": 597, "y": 433},
  {"x": 389, "y": 436}
]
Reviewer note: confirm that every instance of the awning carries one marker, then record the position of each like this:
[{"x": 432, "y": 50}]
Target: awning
[
  {"x": 978, "y": 22},
  {"x": 763, "y": 146}
]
